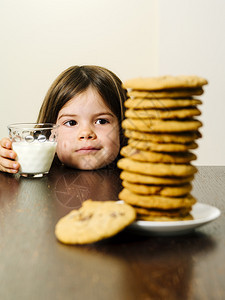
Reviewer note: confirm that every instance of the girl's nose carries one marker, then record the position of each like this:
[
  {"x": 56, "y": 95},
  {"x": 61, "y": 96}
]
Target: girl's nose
[{"x": 86, "y": 134}]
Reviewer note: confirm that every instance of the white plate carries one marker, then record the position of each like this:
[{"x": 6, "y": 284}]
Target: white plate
[{"x": 202, "y": 214}]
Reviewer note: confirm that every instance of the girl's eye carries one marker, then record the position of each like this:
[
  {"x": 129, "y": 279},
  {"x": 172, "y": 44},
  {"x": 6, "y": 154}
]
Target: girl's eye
[
  {"x": 70, "y": 123},
  {"x": 102, "y": 121}
]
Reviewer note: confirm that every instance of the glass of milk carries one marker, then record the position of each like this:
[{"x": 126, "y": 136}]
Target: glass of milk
[{"x": 35, "y": 146}]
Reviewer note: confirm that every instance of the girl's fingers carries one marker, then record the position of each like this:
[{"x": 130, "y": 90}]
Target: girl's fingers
[
  {"x": 6, "y": 143},
  {"x": 7, "y": 165},
  {"x": 7, "y": 157},
  {"x": 6, "y": 149},
  {"x": 6, "y": 153}
]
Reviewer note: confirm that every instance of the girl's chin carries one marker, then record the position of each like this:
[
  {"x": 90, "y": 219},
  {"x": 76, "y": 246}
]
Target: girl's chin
[{"x": 88, "y": 164}]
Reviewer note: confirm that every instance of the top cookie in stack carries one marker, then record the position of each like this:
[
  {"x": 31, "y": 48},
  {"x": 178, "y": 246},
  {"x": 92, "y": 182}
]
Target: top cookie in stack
[{"x": 162, "y": 128}]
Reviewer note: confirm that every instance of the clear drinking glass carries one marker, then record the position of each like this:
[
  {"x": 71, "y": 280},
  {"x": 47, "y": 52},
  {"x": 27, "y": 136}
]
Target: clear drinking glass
[{"x": 35, "y": 146}]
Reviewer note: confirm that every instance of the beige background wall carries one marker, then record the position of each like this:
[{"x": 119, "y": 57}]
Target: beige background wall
[
  {"x": 191, "y": 41},
  {"x": 42, "y": 38},
  {"x": 39, "y": 39}
]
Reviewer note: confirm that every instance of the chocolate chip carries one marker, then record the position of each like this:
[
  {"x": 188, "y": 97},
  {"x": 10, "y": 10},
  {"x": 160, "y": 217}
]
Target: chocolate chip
[
  {"x": 85, "y": 218},
  {"x": 116, "y": 214}
]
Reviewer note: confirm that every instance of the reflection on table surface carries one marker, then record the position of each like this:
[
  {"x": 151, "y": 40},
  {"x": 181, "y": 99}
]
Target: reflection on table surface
[
  {"x": 130, "y": 265},
  {"x": 72, "y": 187}
]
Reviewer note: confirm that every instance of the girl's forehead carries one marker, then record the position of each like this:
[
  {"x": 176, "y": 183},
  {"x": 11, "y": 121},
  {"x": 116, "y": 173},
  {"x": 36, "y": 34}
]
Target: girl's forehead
[{"x": 90, "y": 98}]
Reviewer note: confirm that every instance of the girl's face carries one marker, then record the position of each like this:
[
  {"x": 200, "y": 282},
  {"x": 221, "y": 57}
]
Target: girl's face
[{"x": 88, "y": 135}]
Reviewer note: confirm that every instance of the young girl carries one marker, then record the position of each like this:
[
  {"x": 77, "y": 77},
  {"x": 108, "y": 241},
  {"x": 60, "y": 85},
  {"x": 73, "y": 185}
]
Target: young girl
[{"x": 87, "y": 104}]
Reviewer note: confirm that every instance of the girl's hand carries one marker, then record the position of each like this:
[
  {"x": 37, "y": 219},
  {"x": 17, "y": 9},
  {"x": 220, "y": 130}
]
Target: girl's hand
[{"x": 7, "y": 157}]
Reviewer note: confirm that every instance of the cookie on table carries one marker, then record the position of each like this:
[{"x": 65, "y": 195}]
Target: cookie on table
[
  {"x": 161, "y": 147},
  {"x": 165, "y": 82},
  {"x": 174, "y": 93},
  {"x": 182, "y": 138},
  {"x": 168, "y": 191},
  {"x": 157, "y": 169},
  {"x": 94, "y": 221},
  {"x": 151, "y": 156},
  {"x": 156, "y": 201},
  {"x": 149, "y": 125},
  {"x": 140, "y": 103},
  {"x": 162, "y": 113}
]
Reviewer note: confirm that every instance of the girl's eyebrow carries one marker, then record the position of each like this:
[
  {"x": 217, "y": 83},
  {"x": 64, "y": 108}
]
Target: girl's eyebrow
[
  {"x": 104, "y": 114},
  {"x": 94, "y": 115},
  {"x": 67, "y": 115}
]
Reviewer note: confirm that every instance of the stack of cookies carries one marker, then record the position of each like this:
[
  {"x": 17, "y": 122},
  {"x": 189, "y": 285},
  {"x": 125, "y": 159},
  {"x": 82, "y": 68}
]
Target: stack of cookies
[{"x": 162, "y": 128}]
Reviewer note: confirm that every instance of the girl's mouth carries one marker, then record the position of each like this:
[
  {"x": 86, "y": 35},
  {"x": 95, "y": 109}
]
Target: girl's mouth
[{"x": 87, "y": 150}]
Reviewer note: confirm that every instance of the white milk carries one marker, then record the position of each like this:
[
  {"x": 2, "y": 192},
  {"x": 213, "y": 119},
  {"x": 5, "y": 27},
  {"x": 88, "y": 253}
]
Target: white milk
[{"x": 35, "y": 157}]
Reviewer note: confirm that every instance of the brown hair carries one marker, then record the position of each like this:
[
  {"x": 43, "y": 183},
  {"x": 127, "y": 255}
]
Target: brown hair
[{"x": 77, "y": 79}]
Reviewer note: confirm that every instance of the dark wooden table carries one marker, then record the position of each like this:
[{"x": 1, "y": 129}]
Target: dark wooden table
[{"x": 34, "y": 265}]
